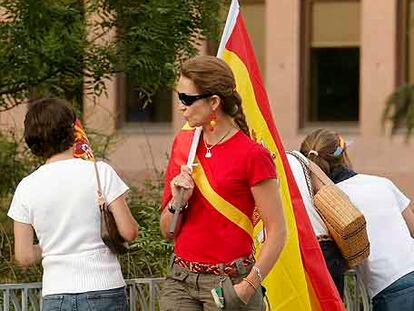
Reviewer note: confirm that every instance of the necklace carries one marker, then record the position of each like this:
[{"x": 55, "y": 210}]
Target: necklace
[{"x": 208, "y": 152}]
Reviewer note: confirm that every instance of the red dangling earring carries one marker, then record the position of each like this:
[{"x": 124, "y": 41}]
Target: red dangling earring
[{"x": 213, "y": 121}]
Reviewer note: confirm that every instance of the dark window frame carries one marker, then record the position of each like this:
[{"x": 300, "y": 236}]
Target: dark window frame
[
  {"x": 305, "y": 69},
  {"x": 122, "y": 93}
]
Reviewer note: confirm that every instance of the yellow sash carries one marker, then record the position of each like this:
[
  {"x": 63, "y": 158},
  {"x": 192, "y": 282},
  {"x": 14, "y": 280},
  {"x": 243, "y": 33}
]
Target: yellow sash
[{"x": 225, "y": 208}]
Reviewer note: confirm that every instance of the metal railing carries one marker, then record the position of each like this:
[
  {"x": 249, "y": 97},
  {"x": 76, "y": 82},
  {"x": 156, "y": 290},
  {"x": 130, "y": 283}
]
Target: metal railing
[
  {"x": 143, "y": 295},
  {"x": 22, "y": 297},
  {"x": 355, "y": 294}
]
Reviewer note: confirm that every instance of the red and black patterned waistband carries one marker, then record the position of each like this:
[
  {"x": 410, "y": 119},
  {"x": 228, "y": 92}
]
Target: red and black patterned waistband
[{"x": 231, "y": 269}]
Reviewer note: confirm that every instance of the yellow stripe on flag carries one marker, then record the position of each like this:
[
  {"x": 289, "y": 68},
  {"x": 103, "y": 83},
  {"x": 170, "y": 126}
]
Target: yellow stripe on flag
[
  {"x": 250, "y": 107},
  {"x": 221, "y": 205}
]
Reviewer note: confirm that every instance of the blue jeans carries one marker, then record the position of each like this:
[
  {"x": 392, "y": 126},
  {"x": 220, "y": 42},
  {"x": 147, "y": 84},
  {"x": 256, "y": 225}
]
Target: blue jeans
[
  {"x": 103, "y": 300},
  {"x": 398, "y": 296},
  {"x": 336, "y": 264}
]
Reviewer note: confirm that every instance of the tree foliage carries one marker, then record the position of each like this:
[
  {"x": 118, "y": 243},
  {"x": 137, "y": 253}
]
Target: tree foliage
[
  {"x": 399, "y": 106},
  {"x": 41, "y": 45},
  {"x": 56, "y": 47},
  {"x": 150, "y": 253},
  {"x": 399, "y": 109}
]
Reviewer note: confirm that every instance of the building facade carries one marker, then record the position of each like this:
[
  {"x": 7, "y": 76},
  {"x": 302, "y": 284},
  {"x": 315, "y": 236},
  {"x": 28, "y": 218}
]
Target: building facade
[{"x": 325, "y": 63}]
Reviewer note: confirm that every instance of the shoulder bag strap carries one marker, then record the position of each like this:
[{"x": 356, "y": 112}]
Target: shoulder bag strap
[
  {"x": 101, "y": 198},
  {"x": 319, "y": 174},
  {"x": 305, "y": 169}
]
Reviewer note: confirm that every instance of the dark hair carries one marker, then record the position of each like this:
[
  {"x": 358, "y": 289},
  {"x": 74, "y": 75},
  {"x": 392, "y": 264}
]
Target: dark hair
[
  {"x": 325, "y": 143},
  {"x": 48, "y": 127},
  {"x": 212, "y": 75}
]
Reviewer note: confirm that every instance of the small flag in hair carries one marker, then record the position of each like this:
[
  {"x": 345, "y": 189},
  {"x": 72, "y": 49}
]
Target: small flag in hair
[{"x": 81, "y": 147}]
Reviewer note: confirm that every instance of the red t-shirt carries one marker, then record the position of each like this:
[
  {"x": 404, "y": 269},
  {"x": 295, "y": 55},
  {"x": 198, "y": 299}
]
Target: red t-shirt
[{"x": 235, "y": 166}]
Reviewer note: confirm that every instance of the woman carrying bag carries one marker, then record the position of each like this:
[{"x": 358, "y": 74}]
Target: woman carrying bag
[
  {"x": 58, "y": 202},
  {"x": 335, "y": 262},
  {"x": 388, "y": 273}
]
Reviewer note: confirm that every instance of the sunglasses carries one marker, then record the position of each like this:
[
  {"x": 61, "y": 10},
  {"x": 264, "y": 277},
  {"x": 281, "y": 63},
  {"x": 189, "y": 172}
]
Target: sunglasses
[{"x": 188, "y": 100}]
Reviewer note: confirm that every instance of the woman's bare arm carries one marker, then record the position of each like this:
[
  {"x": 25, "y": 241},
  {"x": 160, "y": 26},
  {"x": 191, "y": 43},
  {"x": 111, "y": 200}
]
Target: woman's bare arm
[
  {"x": 126, "y": 223},
  {"x": 408, "y": 215},
  {"x": 267, "y": 200},
  {"x": 26, "y": 253}
]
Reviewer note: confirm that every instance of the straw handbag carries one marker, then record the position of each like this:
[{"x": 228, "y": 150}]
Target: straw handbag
[{"x": 346, "y": 224}]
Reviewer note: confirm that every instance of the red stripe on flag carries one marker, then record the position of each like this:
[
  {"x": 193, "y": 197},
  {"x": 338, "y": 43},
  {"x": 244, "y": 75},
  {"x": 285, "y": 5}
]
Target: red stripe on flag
[
  {"x": 239, "y": 43},
  {"x": 180, "y": 149}
]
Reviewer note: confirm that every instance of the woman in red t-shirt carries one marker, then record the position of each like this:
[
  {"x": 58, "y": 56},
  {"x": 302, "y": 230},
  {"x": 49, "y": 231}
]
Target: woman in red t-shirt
[{"x": 214, "y": 264}]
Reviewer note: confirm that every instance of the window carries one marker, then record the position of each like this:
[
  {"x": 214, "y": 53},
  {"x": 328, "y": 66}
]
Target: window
[
  {"x": 330, "y": 61},
  {"x": 135, "y": 110},
  {"x": 159, "y": 110},
  {"x": 335, "y": 84}
]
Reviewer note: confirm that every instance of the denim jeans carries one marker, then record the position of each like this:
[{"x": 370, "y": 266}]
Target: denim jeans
[
  {"x": 336, "y": 264},
  {"x": 103, "y": 300},
  {"x": 398, "y": 296}
]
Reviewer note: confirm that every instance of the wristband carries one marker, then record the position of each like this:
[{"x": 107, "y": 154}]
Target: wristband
[
  {"x": 250, "y": 283},
  {"x": 259, "y": 274},
  {"x": 172, "y": 208}
]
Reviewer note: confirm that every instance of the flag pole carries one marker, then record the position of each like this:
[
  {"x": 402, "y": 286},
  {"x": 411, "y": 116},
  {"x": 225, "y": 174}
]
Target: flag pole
[
  {"x": 190, "y": 161},
  {"x": 228, "y": 28}
]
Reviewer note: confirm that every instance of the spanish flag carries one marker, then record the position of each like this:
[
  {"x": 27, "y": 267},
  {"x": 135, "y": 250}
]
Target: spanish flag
[
  {"x": 82, "y": 148},
  {"x": 300, "y": 279}
]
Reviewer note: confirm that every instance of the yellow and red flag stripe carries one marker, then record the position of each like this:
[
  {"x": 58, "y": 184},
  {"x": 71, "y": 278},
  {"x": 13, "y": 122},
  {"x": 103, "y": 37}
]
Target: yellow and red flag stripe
[
  {"x": 300, "y": 279},
  {"x": 82, "y": 148},
  {"x": 222, "y": 206}
]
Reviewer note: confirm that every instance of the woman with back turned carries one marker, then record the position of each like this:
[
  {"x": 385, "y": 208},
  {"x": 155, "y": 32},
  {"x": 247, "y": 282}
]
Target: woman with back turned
[
  {"x": 58, "y": 202},
  {"x": 388, "y": 273}
]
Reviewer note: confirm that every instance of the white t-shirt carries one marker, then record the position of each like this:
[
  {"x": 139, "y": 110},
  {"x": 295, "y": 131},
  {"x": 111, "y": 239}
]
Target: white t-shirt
[
  {"x": 59, "y": 200},
  {"x": 318, "y": 225},
  {"x": 392, "y": 247}
]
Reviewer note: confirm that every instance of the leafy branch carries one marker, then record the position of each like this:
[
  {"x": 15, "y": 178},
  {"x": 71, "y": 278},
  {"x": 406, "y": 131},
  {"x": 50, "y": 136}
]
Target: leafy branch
[
  {"x": 399, "y": 110},
  {"x": 67, "y": 47}
]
